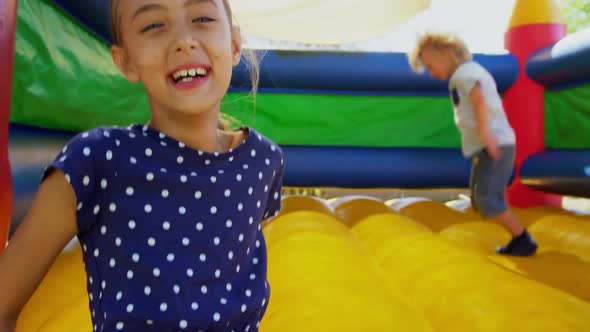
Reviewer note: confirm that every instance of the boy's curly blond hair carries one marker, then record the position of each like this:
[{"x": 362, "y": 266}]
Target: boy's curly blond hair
[{"x": 438, "y": 41}]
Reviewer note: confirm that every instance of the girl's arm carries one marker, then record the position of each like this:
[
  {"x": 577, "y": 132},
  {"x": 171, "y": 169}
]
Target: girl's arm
[
  {"x": 45, "y": 231},
  {"x": 481, "y": 114}
]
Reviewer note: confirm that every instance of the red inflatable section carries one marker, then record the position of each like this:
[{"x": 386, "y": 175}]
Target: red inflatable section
[
  {"x": 7, "y": 37},
  {"x": 524, "y": 107}
]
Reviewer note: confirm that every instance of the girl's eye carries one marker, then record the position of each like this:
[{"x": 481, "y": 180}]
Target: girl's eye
[
  {"x": 203, "y": 19},
  {"x": 151, "y": 27}
]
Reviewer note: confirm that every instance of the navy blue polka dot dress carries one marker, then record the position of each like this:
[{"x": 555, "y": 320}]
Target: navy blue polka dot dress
[{"x": 171, "y": 236}]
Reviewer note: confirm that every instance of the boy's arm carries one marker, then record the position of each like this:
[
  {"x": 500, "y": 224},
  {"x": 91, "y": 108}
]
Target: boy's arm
[
  {"x": 481, "y": 114},
  {"x": 45, "y": 231}
]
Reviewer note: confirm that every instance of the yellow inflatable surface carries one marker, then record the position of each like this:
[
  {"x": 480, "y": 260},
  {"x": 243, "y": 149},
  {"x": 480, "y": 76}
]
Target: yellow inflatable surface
[{"x": 359, "y": 265}]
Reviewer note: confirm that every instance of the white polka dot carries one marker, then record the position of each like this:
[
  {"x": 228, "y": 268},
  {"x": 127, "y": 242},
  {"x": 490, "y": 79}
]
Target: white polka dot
[
  {"x": 103, "y": 230},
  {"x": 185, "y": 241},
  {"x": 248, "y": 293},
  {"x": 202, "y": 257},
  {"x": 156, "y": 272},
  {"x": 129, "y": 274},
  {"x": 161, "y": 135},
  {"x": 240, "y": 207},
  {"x": 183, "y": 178},
  {"x": 129, "y": 191},
  {"x": 120, "y": 326},
  {"x": 86, "y": 180},
  {"x": 213, "y": 179},
  {"x": 266, "y": 188},
  {"x": 103, "y": 183},
  {"x": 251, "y": 220},
  {"x": 228, "y": 286},
  {"x": 170, "y": 257},
  {"x": 103, "y": 284},
  {"x": 183, "y": 324},
  {"x": 130, "y": 308},
  {"x": 245, "y": 166},
  {"x": 117, "y": 142},
  {"x": 190, "y": 272},
  {"x": 267, "y": 161},
  {"x": 204, "y": 289},
  {"x": 263, "y": 302},
  {"x": 257, "y": 244},
  {"x": 68, "y": 178},
  {"x": 199, "y": 226},
  {"x": 166, "y": 225},
  {"x": 176, "y": 289},
  {"x": 96, "y": 252},
  {"x": 250, "y": 191},
  {"x": 147, "y": 208},
  {"x": 193, "y": 173},
  {"x": 86, "y": 151},
  {"x": 79, "y": 207},
  {"x": 231, "y": 159},
  {"x": 238, "y": 268},
  {"x": 181, "y": 145},
  {"x": 228, "y": 224},
  {"x": 180, "y": 159},
  {"x": 151, "y": 242},
  {"x": 258, "y": 204},
  {"x": 147, "y": 290},
  {"x": 148, "y": 152},
  {"x": 131, "y": 224},
  {"x": 253, "y": 153},
  {"x": 230, "y": 255},
  {"x": 213, "y": 210},
  {"x": 227, "y": 193},
  {"x": 149, "y": 322},
  {"x": 109, "y": 155},
  {"x": 149, "y": 176},
  {"x": 244, "y": 308},
  {"x": 163, "y": 170},
  {"x": 163, "y": 307},
  {"x": 216, "y": 317},
  {"x": 119, "y": 296},
  {"x": 112, "y": 207},
  {"x": 273, "y": 148},
  {"x": 133, "y": 160},
  {"x": 135, "y": 257},
  {"x": 216, "y": 240},
  {"x": 255, "y": 260},
  {"x": 260, "y": 175},
  {"x": 252, "y": 276},
  {"x": 239, "y": 177},
  {"x": 276, "y": 196},
  {"x": 241, "y": 237},
  {"x": 217, "y": 273},
  {"x": 118, "y": 241},
  {"x": 165, "y": 193},
  {"x": 112, "y": 262},
  {"x": 198, "y": 195},
  {"x": 223, "y": 300},
  {"x": 182, "y": 210},
  {"x": 194, "y": 306}
]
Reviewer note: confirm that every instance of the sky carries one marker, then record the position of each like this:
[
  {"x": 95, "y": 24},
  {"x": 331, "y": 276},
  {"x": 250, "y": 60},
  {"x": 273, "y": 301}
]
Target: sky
[{"x": 480, "y": 23}]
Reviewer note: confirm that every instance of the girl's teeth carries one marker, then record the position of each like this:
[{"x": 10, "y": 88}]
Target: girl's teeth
[
  {"x": 183, "y": 73},
  {"x": 192, "y": 72},
  {"x": 201, "y": 71}
]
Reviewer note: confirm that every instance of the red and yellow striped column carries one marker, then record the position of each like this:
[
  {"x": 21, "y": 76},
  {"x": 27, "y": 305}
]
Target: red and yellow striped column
[{"x": 534, "y": 24}]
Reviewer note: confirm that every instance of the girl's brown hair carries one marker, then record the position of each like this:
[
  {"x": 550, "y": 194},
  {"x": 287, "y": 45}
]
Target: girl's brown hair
[
  {"x": 437, "y": 42},
  {"x": 252, "y": 62}
]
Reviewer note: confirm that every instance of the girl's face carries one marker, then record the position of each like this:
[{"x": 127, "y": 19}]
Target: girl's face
[
  {"x": 183, "y": 51},
  {"x": 438, "y": 63}
]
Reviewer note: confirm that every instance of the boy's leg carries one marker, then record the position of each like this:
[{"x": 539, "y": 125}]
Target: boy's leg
[{"x": 491, "y": 183}]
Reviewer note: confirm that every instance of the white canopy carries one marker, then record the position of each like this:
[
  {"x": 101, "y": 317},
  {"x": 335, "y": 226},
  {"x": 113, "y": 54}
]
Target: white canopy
[{"x": 323, "y": 21}]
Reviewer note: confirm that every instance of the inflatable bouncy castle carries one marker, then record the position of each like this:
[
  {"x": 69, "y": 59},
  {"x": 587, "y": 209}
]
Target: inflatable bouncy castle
[{"x": 360, "y": 121}]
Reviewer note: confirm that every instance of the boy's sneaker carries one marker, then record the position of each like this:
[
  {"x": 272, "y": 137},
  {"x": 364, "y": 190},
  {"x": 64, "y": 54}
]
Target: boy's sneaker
[{"x": 522, "y": 245}]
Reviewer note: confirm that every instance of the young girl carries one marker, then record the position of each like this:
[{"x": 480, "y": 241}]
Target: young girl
[
  {"x": 168, "y": 214},
  {"x": 487, "y": 137}
]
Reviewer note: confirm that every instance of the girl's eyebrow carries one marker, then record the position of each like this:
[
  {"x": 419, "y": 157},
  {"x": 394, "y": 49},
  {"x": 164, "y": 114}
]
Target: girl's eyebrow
[
  {"x": 147, "y": 8},
  {"x": 154, "y": 6}
]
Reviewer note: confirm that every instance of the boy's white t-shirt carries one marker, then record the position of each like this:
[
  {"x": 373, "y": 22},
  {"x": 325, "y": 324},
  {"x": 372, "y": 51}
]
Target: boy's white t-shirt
[{"x": 463, "y": 80}]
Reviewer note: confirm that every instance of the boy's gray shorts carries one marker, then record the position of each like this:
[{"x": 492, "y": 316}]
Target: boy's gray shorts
[{"x": 489, "y": 180}]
